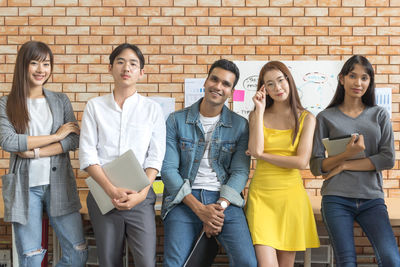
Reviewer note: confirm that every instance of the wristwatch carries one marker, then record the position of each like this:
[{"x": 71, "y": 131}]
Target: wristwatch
[{"x": 223, "y": 203}]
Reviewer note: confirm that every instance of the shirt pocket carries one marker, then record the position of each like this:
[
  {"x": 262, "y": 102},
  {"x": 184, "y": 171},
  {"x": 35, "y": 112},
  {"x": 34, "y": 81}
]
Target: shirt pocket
[
  {"x": 226, "y": 151},
  {"x": 187, "y": 150}
]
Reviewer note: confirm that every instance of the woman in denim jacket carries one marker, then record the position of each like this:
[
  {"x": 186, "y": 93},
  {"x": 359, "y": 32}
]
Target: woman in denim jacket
[{"x": 38, "y": 128}]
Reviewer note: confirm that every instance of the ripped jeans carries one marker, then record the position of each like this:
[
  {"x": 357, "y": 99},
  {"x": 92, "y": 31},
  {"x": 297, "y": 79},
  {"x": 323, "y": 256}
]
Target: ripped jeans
[{"x": 68, "y": 229}]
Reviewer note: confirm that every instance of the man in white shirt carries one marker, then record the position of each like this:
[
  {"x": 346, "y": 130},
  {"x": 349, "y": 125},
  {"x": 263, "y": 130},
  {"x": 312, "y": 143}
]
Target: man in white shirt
[{"x": 111, "y": 125}]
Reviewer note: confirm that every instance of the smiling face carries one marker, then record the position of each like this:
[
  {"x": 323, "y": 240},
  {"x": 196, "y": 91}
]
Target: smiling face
[
  {"x": 218, "y": 86},
  {"x": 276, "y": 85},
  {"x": 126, "y": 69},
  {"x": 38, "y": 72},
  {"x": 356, "y": 82}
]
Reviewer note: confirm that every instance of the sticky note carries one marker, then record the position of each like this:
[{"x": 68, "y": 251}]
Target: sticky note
[{"x": 238, "y": 95}]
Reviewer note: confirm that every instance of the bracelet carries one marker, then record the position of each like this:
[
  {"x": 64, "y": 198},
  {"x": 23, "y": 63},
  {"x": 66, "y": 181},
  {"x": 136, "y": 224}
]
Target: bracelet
[{"x": 36, "y": 152}]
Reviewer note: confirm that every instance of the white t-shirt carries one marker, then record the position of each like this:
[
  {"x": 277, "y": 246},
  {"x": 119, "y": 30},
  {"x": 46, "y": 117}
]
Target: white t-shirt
[
  {"x": 206, "y": 177},
  {"x": 40, "y": 123}
]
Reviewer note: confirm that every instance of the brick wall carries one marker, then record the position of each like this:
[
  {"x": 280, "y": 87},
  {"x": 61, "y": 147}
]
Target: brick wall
[{"x": 180, "y": 38}]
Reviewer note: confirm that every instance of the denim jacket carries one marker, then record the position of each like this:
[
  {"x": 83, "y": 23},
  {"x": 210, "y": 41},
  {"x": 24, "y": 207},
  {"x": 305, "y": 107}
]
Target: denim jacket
[{"x": 185, "y": 148}]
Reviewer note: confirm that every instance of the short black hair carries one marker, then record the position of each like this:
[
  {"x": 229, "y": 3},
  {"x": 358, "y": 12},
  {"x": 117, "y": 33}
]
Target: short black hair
[
  {"x": 226, "y": 65},
  {"x": 118, "y": 50}
]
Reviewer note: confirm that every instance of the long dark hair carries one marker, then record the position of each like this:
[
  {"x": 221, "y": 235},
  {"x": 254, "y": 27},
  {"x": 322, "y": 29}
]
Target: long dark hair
[
  {"x": 17, "y": 110},
  {"x": 369, "y": 96},
  {"x": 294, "y": 99}
]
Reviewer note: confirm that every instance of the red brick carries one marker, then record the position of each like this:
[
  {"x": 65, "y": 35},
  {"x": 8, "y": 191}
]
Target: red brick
[
  {"x": 42, "y": 38},
  {"x": 256, "y": 21},
  {"x": 173, "y": 30},
  {"x": 173, "y": 68},
  {"x": 353, "y": 21},
  {"x": 292, "y": 11},
  {"x": 390, "y": 12},
  {"x": 136, "y": 21},
  {"x": 243, "y": 49},
  {"x": 292, "y": 31},
  {"x": 185, "y": 40},
  {"x": 295, "y": 49},
  {"x": 316, "y": 11},
  {"x": 8, "y": 11},
  {"x": 30, "y": 30},
  {"x": 61, "y": 21},
  {"x": 16, "y": 21},
  {"x": 233, "y": 2},
  {"x": 77, "y": 49},
  {"x": 89, "y": 39},
  {"x": 304, "y": 21},
  {"x": 89, "y": 59},
  {"x": 101, "y": 11},
  {"x": 151, "y": 30},
  {"x": 385, "y": 50},
  {"x": 340, "y": 50},
  {"x": 220, "y": 50},
  {"x": 209, "y": 2},
  {"x": 124, "y": 11},
  {"x": 184, "y": 59},
  {"x": 328, "y": 40},
  {"x": 316, "y": 50},
  {"x": 268, "y": 31},
  {"x": 174, "y": 49},
  {"x": 221, "y": 11},
  {"x": 195, "y": 69},
  {"x": 232, "y": 21},
  {"x": 100, "y": 49},
  {"x": 117, "y": 3},
  {"x": 77, "y": 30},
  {"x": 281, "y": 3},
  {"x": 257, "y": 40},
  {"x": 171, "y": 87},
  {"x": 354, "y": 40},
  {"x": 353, "y": 3},
  {"x": 66, "y": 2},
  {"x": 159, "y": 78},
  {"x": 161, "y": 40},
  {"x": 149, "y": 11},
  {"x": 316, "y": 31},
  {"x": 267, "y": 50},
  {"x": 364, "y": 12},
  {"x": 340, "y": 31},
  {"x": 137, "y": 2},
  {"x": 208, "y": 21},
  {"x": 245, "y": 30},
  {"x": 197, "y": 31},
  {"x": 377, "y": 21},
  {"x": 114, "y": 40},
  {"x": 124, "y": 30},
  {"x": 19, "y": 2},
  {"x": 184, "y": 21},
  {"x": 364, "y": 31},
  {"x": 365, "y": 50},
  {"x": 280, "y": 21},
  {"x": 340, "y": 12},
  {"x": 305, "y": 2},
  {"x": 304, "y": 40},
  {"x": 233, "y": 40},
  {"x": 244, "y": 12},
  {"x": 196, "y": 11},
  {"x": 64, "y": 78},
  {"x": 388, "y": 31},
  {"x": 327, "y": 21},
  {"x": 375, "y": 3},
  {"x": 48, "y": 11},
  {"x": 280, "y": 40},
  {"x": 163, "y": 21},
  {"x": 173, "y": 11},
  {"x": 77, "y": 11},
  {"x": 45, "y": 3}
]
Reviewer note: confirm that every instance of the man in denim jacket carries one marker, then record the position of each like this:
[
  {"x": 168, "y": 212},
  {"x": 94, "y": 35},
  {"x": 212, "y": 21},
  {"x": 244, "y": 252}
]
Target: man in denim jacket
[{"x": 205, "y": 169}]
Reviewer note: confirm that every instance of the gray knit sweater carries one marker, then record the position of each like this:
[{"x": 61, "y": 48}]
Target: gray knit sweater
[{"x": 374, "y": 124}]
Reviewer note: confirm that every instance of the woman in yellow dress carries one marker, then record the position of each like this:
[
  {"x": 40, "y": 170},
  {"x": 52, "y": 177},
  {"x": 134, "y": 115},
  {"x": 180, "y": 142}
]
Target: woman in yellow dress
[{"x": 278, "y": 210}]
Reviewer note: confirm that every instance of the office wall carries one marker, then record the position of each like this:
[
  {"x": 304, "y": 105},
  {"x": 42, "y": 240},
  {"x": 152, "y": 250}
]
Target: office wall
[{"x": 181, "y": 38}]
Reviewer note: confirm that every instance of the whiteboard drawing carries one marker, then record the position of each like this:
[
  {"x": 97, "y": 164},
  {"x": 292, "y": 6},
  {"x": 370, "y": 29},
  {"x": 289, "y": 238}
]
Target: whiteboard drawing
[{"x": 316, "y": 83}]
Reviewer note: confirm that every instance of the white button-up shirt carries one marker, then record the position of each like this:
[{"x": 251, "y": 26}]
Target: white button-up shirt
[{"x": 108, "y": 131}]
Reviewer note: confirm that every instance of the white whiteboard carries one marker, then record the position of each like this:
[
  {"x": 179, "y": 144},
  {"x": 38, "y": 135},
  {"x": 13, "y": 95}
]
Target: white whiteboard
[{"x": 316, "y": 83}]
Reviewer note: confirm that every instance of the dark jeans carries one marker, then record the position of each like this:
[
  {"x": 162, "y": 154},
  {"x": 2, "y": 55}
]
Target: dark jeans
[{"x": 339, "y": 214}]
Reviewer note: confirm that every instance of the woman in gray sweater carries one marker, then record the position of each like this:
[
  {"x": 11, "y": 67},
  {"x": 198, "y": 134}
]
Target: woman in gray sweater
[
  {"x": 352, "y": 189},
  {"x": 38, "y": 128}
]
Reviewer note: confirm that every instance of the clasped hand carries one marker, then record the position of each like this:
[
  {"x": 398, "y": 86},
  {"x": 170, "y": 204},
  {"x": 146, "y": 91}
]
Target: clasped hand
[
  {"x": 125, "y": 199},
  {"x": 212, "y": 216}
]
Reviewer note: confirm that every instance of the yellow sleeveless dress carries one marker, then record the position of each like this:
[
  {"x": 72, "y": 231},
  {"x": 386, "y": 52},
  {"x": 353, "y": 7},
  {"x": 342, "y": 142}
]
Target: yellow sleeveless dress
[{"x": 278, "y": 209}]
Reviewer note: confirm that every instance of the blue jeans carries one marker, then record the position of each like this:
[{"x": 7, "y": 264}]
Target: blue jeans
[
  {"x": 182, "y": 227},
  {"x": 339, "y": 214},
  {"x": 68, "y": 228}
]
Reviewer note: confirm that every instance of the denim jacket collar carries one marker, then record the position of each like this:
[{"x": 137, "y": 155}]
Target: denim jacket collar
[{"x": 194, "y": 111}]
